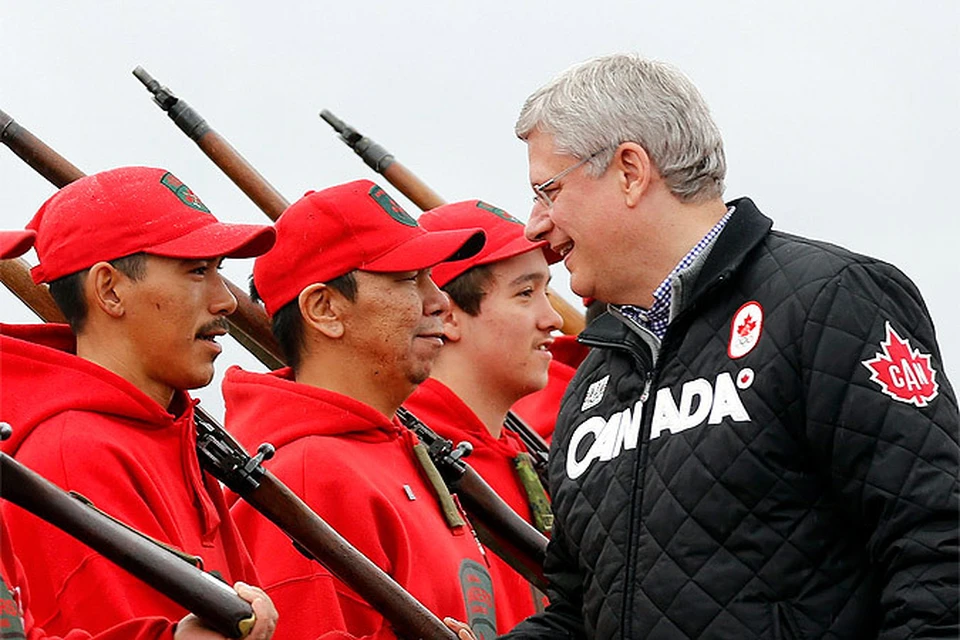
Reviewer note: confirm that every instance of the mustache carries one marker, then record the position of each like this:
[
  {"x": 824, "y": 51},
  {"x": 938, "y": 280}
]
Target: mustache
[{"x": 219, "y": 323}]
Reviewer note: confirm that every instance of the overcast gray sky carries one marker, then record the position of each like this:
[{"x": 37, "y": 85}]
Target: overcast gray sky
[{"x": 840, "y": 117}]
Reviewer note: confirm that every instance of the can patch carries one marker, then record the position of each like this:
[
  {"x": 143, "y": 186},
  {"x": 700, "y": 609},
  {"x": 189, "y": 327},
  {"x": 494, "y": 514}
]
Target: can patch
[{"x": 902, "y": 372}]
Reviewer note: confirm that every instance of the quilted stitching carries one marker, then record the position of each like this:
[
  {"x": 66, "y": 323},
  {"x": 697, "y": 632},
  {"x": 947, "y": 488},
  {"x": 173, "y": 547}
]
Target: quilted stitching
[{"x": 733, "y": 517}]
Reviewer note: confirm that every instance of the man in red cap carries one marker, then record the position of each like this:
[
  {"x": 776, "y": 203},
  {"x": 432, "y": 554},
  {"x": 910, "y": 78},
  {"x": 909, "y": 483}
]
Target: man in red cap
[
  {"x": 497, "y": 334},
  {"x": 360, "y": 321},
  {"x": 132, "y": 257},
  {"x": 16, "y": 618}
]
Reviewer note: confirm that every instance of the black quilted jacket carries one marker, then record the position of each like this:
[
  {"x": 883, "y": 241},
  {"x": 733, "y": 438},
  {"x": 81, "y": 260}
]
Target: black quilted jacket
[{"x": 783, "y": 466}]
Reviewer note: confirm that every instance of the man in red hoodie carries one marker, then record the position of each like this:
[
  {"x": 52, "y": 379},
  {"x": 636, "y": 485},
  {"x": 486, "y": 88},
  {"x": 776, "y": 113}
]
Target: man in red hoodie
[
  {"x": 353, "y": 307},
  {"x": 131, "y": 256},
  {"x": 498, "y": 334},
  {"x": 16, "y": 618}
]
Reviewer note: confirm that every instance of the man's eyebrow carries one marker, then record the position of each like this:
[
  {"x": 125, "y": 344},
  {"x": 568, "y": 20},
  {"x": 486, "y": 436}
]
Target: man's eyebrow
[{"x": 534, "y": 277}]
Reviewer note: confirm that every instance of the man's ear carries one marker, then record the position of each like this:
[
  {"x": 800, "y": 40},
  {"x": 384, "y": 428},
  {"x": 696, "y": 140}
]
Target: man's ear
[
  {"x": 322, "y": 308},
  {"x": 452, "y": 327},
  {"x": 105, "y": 289},
  {"x": 635, "y": 171}
]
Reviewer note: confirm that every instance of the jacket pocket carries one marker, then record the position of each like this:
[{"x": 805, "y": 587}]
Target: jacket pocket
[{"x": 784, "y": 623}]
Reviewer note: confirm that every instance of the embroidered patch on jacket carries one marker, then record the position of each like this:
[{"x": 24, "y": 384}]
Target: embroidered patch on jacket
[
  {"x": 478, "y": 599},
  {"x": 901, "y": 372},
  {"x": 595, "y": 393},
  {"x": 183, "y": 192},
  {"x": 391, "y": 206},
  {"x": 745, "y": 329}
]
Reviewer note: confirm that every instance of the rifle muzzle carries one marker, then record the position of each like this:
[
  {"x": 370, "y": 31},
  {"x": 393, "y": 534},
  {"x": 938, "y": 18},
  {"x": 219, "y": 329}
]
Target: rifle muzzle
[
  {"x": 182, "y": 114},
  {"x": 376, "y": 157}
]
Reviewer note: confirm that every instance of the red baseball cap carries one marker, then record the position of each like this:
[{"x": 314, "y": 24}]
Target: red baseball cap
[
  {"x": 15, "y": 243},
  {"x": 505, "y": 237},
  {"x": 329, "y": 233},
  {"x": 130, "y": 210}
]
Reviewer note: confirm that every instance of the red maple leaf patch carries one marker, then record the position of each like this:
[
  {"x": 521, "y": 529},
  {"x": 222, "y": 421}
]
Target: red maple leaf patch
[
  {"x": 748, "y": 325},
  {"x": 903, "y": 373}
]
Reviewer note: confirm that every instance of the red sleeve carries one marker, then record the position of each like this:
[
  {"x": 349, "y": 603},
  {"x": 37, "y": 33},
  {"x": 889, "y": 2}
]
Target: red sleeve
[{"x": 15, "y": 609}]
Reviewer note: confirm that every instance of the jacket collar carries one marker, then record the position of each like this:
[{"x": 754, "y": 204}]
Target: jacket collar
[{"x": 745, "y": 230}]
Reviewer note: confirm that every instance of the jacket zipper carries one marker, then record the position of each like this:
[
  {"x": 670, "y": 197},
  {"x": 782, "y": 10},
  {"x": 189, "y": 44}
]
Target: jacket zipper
[{"x": 654, "y": 345}]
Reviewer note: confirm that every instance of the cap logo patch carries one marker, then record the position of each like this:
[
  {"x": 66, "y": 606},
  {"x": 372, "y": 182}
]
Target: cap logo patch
[
  {"x": 745, "y": 329},
  {"x": 183, "y": 192},
  {"x": 595, "y": 393},
  {"x": 393, "y": 209},
  {"x": 500, "y": 213},
  {"x": 901, "y": 372}
]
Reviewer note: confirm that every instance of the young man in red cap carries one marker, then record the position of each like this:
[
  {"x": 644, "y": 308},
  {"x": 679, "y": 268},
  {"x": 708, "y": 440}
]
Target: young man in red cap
[
  {"x": 497, "y": 335},
  {"x": 131, "y": 256},
  {"x": 16, "y": 619},
  {"x": 360, "y": 322}
]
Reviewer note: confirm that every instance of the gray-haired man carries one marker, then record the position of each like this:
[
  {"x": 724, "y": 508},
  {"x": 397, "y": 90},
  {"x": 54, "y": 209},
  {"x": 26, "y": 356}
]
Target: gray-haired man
[{"x": 762, "y": 443}]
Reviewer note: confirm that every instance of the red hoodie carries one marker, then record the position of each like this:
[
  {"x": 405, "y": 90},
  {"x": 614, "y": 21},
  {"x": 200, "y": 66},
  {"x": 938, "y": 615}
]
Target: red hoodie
[
  {"x": 357, "y": 470},
  {"x": 493, "y": 458},
  {"x": 16, "y": 619},
  {"x": 88, "y": 430}
]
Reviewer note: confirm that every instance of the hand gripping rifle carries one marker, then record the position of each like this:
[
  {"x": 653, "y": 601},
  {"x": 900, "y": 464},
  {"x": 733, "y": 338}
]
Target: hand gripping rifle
[
  {"x": 251, "y": 182},
  {"x": 248, "y": 324},
  {"x": 211, "y": 600},
  {"x": 221, "y": 456},
  {"x": 526, "y": 548}
]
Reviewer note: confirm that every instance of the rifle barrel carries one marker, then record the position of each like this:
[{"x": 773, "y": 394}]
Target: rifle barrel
[
  {"x": 210, "y": 599},
  {"x": 248, "y": 324}
]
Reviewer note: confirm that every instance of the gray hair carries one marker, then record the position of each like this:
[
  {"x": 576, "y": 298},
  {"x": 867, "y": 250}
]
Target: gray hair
[{"x": 605, "y": 101}]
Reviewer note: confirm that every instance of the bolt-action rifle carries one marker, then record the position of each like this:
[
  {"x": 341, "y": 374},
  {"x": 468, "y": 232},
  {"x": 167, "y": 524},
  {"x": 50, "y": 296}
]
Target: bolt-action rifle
[
  {"x": 250, "y": 181},
  {"x": 222, "y": 457},
  {"x": 248, "y": 324},
  {"x": 170, "y": 573}
]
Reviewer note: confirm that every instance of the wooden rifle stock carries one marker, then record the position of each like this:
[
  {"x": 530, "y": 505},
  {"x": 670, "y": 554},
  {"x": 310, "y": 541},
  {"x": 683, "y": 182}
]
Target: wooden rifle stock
[
  {"x": 223, "y": 457},
  {"x": 499, "y": 527},
  {"x": 248, "y": 324},
  {"x": 211, "y": 600},
  {"x": 383, "y": 162}
]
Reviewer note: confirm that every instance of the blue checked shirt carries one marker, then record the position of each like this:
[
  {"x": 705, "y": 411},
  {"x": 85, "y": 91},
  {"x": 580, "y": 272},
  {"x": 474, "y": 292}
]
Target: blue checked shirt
[{"x": 657, "y": 317}]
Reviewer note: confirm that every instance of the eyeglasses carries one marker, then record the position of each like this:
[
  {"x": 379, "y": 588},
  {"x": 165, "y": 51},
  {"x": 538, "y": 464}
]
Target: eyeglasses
[{"x": 541, "y": 195}]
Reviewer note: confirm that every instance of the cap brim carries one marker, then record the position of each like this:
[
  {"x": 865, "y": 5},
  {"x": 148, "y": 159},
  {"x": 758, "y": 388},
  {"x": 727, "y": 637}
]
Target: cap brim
[
  {"x": 219, "y": 239},
  {"x": 519, "y": 246},
  {"x": 429, "y": 249},
  {"x": 15, "y": 243}
]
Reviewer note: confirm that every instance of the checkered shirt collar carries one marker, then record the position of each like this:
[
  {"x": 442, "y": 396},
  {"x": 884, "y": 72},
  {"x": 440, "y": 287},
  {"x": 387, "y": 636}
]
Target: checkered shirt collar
[{"x": 657, "y": 317}]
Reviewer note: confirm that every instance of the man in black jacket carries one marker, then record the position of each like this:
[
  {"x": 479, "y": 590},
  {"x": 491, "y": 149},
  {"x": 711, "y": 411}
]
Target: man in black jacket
[{"x": 762, "y": 443}]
